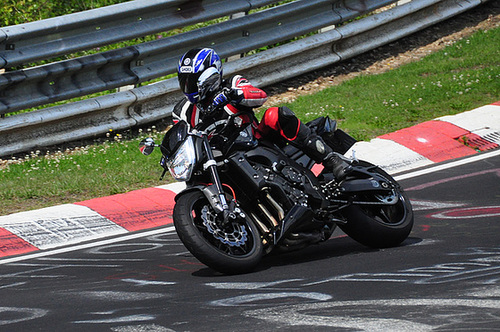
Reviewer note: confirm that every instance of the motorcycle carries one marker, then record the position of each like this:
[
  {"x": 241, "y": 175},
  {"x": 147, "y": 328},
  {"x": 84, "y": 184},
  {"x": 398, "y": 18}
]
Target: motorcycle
[{"x": 246, "y": 198}]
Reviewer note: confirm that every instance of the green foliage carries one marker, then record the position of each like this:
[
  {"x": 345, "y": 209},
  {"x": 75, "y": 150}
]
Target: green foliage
[{"x": 23, "y": 11}]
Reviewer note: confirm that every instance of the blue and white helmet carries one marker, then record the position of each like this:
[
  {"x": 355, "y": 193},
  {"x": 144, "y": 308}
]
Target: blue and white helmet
[{"x": 199, "y": 73}]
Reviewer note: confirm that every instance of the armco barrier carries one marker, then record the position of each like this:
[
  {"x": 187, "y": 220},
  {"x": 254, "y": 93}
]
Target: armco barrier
[
  {"x": 24, "y": 43},
  {"x": 148, "y": 103},
  {"x": 143, "y": 62}
]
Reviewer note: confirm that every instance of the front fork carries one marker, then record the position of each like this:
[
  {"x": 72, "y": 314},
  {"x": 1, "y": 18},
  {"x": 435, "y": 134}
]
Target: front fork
[{"x": 218, "y": 197}]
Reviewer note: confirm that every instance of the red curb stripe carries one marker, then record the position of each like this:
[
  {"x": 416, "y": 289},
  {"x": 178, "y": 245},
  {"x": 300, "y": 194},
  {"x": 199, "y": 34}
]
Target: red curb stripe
[
  {"x": 11, "y": 244},
  {"x": 477, "y": 142},
  {"x": 436, "y": 140},
  {"x": 497, "y": 103},
  {"x": 136, "y": 210}
]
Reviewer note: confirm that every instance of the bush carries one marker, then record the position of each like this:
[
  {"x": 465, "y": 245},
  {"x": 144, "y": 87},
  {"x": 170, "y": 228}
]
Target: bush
[{"x": 23, "y": 11}]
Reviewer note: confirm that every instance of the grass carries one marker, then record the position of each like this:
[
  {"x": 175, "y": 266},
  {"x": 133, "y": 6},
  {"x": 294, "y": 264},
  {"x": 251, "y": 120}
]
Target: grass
[
  {"x": 109, "y": 167},
  {"x": 461, "y": 77}
]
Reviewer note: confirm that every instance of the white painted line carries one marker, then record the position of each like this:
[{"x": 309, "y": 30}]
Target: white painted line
[
  {"x": 419, "y": 205},
  {"x": 474, "y": 158},
  {"x": 333, "y": 315},
  {"x": 133, "y": 236}
]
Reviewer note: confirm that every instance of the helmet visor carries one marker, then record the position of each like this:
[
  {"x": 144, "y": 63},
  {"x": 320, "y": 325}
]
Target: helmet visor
[
  {"x": 189, "y": 85},
  {"x": 208, "y": 82}
]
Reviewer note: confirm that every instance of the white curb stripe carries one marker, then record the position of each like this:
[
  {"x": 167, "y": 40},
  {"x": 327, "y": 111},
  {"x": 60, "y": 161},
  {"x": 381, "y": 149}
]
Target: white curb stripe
[
  {"x": 59, "y": 225},
  {"x": 176, "y": 187},
  {"x": 485, "y": 117},
  {"x": 389, "y": 155}
]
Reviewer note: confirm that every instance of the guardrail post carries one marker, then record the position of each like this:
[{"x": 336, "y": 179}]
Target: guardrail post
[
  {"x": 125, "y": 88},
  {"x": 232, "y": 17}
]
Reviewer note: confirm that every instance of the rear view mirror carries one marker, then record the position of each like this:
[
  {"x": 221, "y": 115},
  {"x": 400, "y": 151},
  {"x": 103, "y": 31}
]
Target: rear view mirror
[{"x": 147, "y": 146}]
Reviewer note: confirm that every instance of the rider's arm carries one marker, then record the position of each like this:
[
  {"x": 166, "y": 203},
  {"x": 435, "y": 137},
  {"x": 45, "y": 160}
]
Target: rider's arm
[{"x": 247, "y": 94}]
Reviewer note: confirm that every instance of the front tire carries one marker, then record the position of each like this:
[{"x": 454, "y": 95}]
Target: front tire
[{"x": 232, "y": 249}]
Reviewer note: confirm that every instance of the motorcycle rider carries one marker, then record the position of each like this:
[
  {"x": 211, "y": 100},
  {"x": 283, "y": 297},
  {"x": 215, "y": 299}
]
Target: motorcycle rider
[{"x": 200, "y": 79}]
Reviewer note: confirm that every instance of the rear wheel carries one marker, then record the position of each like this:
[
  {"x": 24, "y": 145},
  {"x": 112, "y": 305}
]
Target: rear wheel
[
  {"x": 380, "y": 225},
  {"x": 231, "y": 249}
]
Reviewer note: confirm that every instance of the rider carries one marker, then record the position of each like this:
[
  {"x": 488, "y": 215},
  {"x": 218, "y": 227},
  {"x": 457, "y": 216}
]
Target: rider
[{"x": 200, "y": 79}]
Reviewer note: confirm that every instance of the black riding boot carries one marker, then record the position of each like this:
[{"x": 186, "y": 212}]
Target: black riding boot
[{"x": 318, "y": 150}]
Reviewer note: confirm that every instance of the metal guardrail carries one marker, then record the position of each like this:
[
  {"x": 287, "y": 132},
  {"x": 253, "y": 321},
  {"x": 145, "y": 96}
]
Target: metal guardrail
[
  {"x": 140, "y": 63},
  {"x": 152, "y": 102},
  {"x": 49, "y": 38}
]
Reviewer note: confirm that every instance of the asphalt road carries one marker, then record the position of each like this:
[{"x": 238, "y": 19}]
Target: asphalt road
[{"x": 445, "y": 277}]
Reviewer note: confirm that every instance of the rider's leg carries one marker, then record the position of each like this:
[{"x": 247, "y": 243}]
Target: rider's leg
[
  {"x": 284, "y": 121},
  {"x": 318, "y": 150}
]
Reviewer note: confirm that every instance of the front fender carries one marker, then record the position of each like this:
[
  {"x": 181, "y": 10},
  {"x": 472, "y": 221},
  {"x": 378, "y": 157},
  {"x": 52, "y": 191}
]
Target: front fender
[
  {"x": 210, "y": 192},
  {"x": 188, "y": 190}
]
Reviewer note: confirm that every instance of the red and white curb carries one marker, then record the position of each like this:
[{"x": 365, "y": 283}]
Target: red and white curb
[
  {"x": 445, "y": 138},
  {"x": 68, "y": 224},
  {"x": 441, "y": 139}
]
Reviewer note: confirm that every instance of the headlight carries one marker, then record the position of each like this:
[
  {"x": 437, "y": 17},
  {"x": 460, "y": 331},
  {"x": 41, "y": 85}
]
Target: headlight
[{"x": 182, "y": 163}]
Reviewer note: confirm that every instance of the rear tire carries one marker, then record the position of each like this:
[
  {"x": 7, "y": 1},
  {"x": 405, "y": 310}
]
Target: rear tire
[
  {"x": 380, "y": 226},
  {"x": 235, "y": 249}
]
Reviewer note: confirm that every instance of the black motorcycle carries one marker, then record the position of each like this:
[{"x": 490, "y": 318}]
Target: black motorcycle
[{"x": 246, "y": 198}]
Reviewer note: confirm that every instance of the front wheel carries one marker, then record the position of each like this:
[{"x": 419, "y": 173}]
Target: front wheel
[
  {"x": 231, "y": 249},
  {"x": 380, "y": 226}
]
